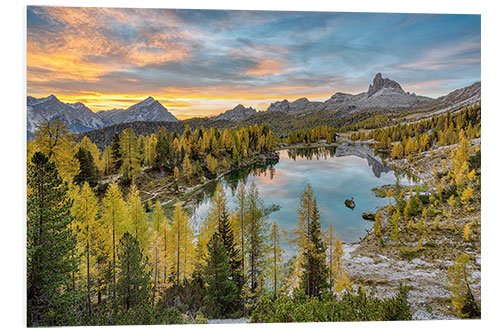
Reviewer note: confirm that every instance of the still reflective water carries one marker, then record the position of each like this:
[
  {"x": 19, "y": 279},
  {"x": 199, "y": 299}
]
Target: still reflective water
[{"x": 334, "y": 177}]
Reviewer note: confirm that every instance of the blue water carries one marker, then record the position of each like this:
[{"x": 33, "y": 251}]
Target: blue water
[{"x": 333, "y": 180}]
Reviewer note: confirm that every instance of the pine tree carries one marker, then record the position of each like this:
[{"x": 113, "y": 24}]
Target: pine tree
[
  {"x": 240, "y": 219},
  {"x": 84, "y": 211},
  {"x": 116, "y": 155},
  {"x": 50, "y": 243},
  {"x": 226, "y": 232},
  {"x": 88, "y": 169},
  {"x": 221, "y": 297},
  {"x": 312, "y": 250},
  {"x": 94, "y": 151},
  {"x": 133, "y": 277}
]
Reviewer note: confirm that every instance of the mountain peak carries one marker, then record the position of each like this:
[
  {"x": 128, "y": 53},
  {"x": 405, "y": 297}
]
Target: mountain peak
[
  {"x": 379, "y": 82},
  {"x": 239, "y": 112}
]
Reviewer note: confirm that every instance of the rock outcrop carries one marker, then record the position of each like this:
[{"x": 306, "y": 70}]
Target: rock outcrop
[{"x": 379, "y": 83}]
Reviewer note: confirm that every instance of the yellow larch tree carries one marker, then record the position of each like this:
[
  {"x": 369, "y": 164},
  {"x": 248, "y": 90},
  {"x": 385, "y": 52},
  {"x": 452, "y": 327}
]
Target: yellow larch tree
[
  {"x": 130, "y": 167},
  {"x": 341, "y": 280},
  {"x": 159, "y": 222},
  {"x": 181, "y": 240},
  {"x": 378, "y": 223},
  {"x": 209, "y": 226},
  {"x": 138, "y": 218},
  {"x": 330, "y": 238},
  {"x": 53, "y": 139},
  {"x": 84, "y": 211},
  {"x": 115, "y": 222},
  {"x": 276, "y": 257}
]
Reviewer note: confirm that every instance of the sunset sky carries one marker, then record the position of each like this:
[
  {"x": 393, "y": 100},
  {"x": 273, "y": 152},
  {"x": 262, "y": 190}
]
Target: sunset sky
[{"x": 203, "y": 62}]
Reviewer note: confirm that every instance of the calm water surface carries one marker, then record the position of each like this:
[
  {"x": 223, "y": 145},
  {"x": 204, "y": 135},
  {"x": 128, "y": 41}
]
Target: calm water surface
[{"x": 332, "y": 178}]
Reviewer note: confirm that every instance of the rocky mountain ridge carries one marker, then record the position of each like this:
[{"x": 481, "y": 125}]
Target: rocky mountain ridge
[
  {"x": 239, "y": 112},
  {"x": 80, "y": 118},
  {"x": 383, "y": 93}
]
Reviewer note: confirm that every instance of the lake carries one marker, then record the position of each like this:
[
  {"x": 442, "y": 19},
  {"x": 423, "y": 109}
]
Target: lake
[{"x": 334, "y": 174}]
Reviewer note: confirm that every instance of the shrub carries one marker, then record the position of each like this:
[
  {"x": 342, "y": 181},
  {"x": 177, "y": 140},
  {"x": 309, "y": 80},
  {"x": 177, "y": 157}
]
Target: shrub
[{"x": 354, "y": 307}]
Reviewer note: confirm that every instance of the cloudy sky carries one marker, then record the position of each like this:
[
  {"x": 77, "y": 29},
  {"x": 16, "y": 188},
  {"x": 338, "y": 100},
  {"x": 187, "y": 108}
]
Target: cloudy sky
[{"x": 203, "y": 62}]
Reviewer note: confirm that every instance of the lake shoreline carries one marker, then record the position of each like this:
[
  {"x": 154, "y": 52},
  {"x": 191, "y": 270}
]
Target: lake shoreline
[{"x": 383, "y": 267}]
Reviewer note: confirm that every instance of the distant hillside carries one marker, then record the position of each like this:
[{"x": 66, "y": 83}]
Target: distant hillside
[{"x": 104, "y": 136}]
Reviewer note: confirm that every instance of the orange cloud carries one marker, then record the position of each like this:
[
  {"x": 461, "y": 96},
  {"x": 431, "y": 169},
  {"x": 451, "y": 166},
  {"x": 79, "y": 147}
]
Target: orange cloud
[
  {"x": 62, "y": 66},
  {"x": 265, "y": 67},
  {"x": 68, "y": 55}
]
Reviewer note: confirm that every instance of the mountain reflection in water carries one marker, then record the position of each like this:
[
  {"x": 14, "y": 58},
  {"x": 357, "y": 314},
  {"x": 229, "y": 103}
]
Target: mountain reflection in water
[{"x": 335, "y": 174}]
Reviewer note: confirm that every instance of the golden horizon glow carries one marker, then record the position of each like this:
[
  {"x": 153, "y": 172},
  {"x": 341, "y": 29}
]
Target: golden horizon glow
[
  {"x": 180, "y": 105},
  {"x": 201, "y": 63}
]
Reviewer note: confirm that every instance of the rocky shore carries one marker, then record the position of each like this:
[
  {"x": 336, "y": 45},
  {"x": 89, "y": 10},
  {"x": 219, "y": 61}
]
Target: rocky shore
[{"x": 382, "y": 264}]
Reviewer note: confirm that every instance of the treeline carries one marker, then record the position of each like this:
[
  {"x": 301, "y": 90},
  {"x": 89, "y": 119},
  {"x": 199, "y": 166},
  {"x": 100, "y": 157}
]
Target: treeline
[
  {"x": 104, "y": 136},
  {"x": 313, "y": 135},
  {"x": 280, "y": 123},
  {"x": 193, "y": 155},
  {"x": 189, "y": 157},
  {"x": 408, "y": 139}
]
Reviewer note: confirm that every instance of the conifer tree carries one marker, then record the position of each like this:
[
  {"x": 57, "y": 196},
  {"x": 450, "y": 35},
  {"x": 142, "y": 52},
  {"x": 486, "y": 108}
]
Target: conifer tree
[
  {"x": 257, "y": 235},
  {"x": 130, "y": 167},
  {"x": 395, "y": 225},
  {"x": 313, "y": 279},
  {"x": 221, "y": 292},
  {"x": 459, "y": 277},
  {"x": 330, "y": 243},
  {"x": 277, "y": 258},
  {"x": 116, "y": 155},
  {"x": 182, "y": 243},
  {"x": 53, "y": 139},
  {"x": 226, "y": 232},
  {"x": 84, "y": 211},
  {"x": 158, "y": 222},
  {"x": 50, "y": 243},
  {"x": 218, "y": 205},
  {"x": 88, "y": 169},
  {"x": 94, "y": 151},
  {"x": 133, "y": 277},
  {"x": 378, "y": 223},
  {"x": 138, "y": 218},
  {"x": 115, "y": 221},
  {"x": 187, "y": 169}
]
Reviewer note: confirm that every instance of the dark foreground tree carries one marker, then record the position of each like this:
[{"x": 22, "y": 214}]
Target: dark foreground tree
[
  {"x": 315, "y": 272},
  {"x": 134, "y": 277},
  {"x": 51, "y": 296},
  {"x": 221, "y": 293},
  {"x": 234, "y": 256},
  {"x": 88, "y": 169}
]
